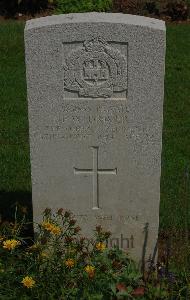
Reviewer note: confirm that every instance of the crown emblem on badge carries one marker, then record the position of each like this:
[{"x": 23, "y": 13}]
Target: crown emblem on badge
[{"x": 95, "y": 70}]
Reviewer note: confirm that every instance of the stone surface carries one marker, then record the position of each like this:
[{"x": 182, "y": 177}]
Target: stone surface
[{"x": 95, "y": 94}]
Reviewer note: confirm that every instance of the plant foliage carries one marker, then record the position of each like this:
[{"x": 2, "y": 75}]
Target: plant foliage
[
  {"x": 11, "y": 7},
  {"x": 62, "y": 264},
  {"x": 176, "y": 9},
  {"x": 75, "y": 6}
]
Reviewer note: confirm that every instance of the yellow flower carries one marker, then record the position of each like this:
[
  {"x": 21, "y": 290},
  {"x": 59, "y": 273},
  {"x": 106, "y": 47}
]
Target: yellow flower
[
  {"x": 47, "y": 226},
  {"x": 100, "y": 246},
  {"x": 44, "y": 254},
  {"x": 56, "y": 230},
  {"x": 70, "y": 262},
  {"x": 51, "y": 228},
  {"x": 28, "y": 282},
  {"x": 90, "y": 270},
  {"x": 11, "y": 244}
]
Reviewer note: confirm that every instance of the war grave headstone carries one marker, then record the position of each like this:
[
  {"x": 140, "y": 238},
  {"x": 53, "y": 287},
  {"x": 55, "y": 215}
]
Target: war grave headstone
[{"x": 95, "y": 86}]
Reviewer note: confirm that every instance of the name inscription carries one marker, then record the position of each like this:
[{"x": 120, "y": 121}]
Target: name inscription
[{"x": 84, "y": 120}]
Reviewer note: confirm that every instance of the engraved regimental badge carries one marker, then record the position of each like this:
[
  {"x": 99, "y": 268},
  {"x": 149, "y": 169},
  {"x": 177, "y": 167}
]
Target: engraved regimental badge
[{"x": 95, "y": 70}]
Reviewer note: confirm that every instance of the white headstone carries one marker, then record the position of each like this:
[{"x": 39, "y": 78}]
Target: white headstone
[{"x": 95, "y": 94}]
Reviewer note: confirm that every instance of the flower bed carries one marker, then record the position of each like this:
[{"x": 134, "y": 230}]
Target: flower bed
[{"x": 62, "y": 264}]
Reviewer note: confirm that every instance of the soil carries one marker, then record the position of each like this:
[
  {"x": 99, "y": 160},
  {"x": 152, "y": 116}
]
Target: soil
[
  {"x": 173, "y": 245},
  {"x": 22, "y": 17},
  {"x": 49, "y": 12}
]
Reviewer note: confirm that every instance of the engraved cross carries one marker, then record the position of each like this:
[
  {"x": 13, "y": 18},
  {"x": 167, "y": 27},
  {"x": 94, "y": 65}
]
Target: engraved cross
[{"x": 95, "y": 172}]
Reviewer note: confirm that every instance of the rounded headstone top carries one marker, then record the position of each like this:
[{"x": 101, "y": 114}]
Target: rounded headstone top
[{"x": 94, "y": 17}]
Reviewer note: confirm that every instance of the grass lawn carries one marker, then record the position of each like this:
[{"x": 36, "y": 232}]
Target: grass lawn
[
  {"x": 175, "y": 192},
  {"x": 15, "y": 180}
]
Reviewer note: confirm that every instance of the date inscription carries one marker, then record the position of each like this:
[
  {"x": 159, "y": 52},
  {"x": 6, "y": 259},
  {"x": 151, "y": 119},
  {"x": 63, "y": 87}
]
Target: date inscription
[{"x": 84, "y": 121}]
